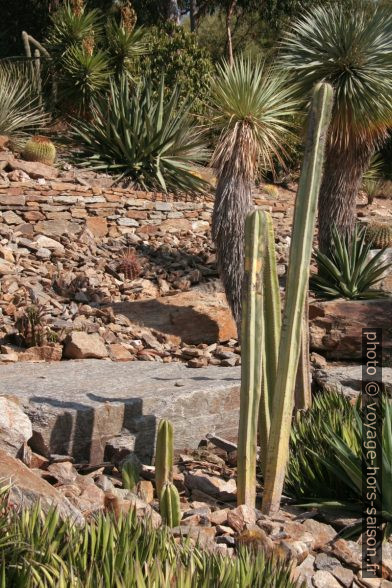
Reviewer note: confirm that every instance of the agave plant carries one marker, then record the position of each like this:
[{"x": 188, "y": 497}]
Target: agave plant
[
  {"x": 342, "y": 459},
  {"x": 149, "y": 140},
  {"x": 39, "y": 550},
  {"x": 252, "y": 108},
  {"x": 307, "y": 476},
  {"x": 352, "y": 49},
  {"x": 123, "y": 46},
  {"x": 347, "y": 271},
  {"x": 20, "y": 112}
]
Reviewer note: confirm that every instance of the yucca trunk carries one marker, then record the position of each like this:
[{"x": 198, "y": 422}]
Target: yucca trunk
[
  {"x": 233, "y": 201},
  {"x": 343, "y": 171}
]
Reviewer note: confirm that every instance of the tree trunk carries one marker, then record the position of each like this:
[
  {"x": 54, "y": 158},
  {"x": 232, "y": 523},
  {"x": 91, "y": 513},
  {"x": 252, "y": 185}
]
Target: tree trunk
[
  {"x": 192, "y": 15},
  {"x": 173, "y": 12},
  {"x": 233, "y": 201},
  {"x": 343, "y": 171},
  {"x": 229, "y": 16}
]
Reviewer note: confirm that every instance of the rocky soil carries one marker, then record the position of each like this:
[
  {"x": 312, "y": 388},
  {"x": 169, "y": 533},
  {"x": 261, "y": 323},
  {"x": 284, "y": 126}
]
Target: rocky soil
[{"x": 206, "y": 480}]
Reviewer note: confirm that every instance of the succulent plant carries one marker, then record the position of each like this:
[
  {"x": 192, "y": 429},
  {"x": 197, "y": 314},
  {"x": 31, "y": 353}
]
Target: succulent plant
[
  {"x": 129, "y": 265},
  {"x": 379, "y": 235},
  {"x": 271, "y": 190},
  {"x": 40, "y": 149},
  {"x": 170, "y": 505},
  {"x": 164, "y": 455},
  {"x": 130, "y": 470}
]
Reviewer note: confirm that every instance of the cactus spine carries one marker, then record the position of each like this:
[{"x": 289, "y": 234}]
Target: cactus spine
[
  {"x": 251, "y": 352},
  {"x": 379, "y": 235},
  {"x": 170, "y": 505},
  {"x": 164, "y": 455},
  {"x": 40, "y": 149},
  {"x": 272, "y": 325},
  {"x": 297, "y": 282}
]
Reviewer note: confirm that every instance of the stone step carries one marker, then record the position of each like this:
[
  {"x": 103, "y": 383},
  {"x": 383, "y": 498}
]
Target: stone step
[{"x": 77, "y": 406}]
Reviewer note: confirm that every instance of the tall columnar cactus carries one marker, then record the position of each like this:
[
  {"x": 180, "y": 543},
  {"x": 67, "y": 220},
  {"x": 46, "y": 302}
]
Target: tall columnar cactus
[
  {"x": 297, "y": 283},
  {"x": 272, "y": 325},
  {"x": 170, "y": 505},
  {"x": 164, "y": 455},
  {"x": 251, "y": 356}
]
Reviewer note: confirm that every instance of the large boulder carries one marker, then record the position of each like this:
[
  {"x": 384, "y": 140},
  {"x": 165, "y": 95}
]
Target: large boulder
[
  {"x": 193, "y": 318},
  {"x": 335, "y": 326},
  {"x": 27, "y": 488},
  {"x": 81, "y": 345},
  {"x": 15, "y": 426}
]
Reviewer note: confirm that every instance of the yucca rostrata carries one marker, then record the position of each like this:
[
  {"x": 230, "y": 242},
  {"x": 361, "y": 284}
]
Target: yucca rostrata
[
  {"x": 169, "y": 505},
  {"x": 296, "y": 289},
  {"x": 164, "y": 455}
]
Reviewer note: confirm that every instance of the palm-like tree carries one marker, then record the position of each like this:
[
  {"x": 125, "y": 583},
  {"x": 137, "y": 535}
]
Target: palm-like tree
[
  {"x": 252, "y": 107},
  {"x": 351, "y": 49}
]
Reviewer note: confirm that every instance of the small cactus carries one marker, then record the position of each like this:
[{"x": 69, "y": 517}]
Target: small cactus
[
  {"x": 170, "y": 505},
  {"x": 129, "y": 265},
  {"x": 379, "y": 235},
  {"x": 130, "y": 470},
  {"x": 40, "y": 149},
  {"x": 164, "y": 455},
  {"x": 271, "y": 190}
]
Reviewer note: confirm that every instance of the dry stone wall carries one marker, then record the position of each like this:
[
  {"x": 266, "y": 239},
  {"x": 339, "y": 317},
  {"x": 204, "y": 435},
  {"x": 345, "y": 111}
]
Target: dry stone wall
[{"x": 60, "y": 208}]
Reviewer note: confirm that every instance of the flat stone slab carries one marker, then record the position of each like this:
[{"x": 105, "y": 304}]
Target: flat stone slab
[
  {"x": 77, "y": 406},
  {"x": 348, "y": 379}
]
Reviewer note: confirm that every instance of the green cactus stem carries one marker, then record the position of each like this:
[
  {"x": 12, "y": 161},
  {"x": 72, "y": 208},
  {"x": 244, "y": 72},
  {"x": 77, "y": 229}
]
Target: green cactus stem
[
  {"x": 40, "y": 149},
  {"x": 251, "y": 356},
  {"x": 164, "y": 455},
  {"x": 170, "y": 505},
  {"x": 272, "y": 324},
  {"x": 297, "y": 283}
]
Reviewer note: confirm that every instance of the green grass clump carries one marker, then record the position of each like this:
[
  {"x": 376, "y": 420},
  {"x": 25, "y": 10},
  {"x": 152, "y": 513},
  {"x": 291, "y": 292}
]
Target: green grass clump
[{"x": 41, "y": 551}]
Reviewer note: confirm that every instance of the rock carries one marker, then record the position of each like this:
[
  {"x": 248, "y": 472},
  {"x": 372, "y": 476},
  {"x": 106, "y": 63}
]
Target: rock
[
  {"x": 44, "y": 242},
  {"x": 256, "y": 538},
  {"x": 32, "y": 168},
  {"x": 344, "y": 575},
  {"x": 57, "y": 228},
  {"x": 4, "y": 140},
  {"x": 349, "y": 552},
  {"x": 212, "y": 485},
  {"x": 15, "y": 427},
  {"x": 143, "y": 510},
  {"x": 323, "y": 579},
  {"x": 348, "y": 379},
  {"x": 322, "y": 533},
  {"x": 145, "y": 490},
  {"x": 335, "y": 326},
  {"x": 241, "y": 516},
  {"x": 42, "y": 353},
  {"x": 11, "y": 218},
  {"x": 326, "y": 562},
  {"x": 97, "y": 225},
  {"x": 28, "y": 488},
  {"x": 118, "y": 352},
  {"x": 80, "y": 345},
  {"x": 64, "y": 472},
  {"x": 204, "y": 318},
  {"x": 119, "y": 448},
  {"x": 9, "y": 357},
  {"x": 219, "y": 517},
  {"x": 91, "y": 498},
  {"x": 304, "y": 572}
]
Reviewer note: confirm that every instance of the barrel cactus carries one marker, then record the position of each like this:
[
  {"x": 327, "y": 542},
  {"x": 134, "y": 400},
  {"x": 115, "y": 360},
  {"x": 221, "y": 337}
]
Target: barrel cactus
[
  {"x": 40, "y": 149},
  {"x": 379, "y": 235}
]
